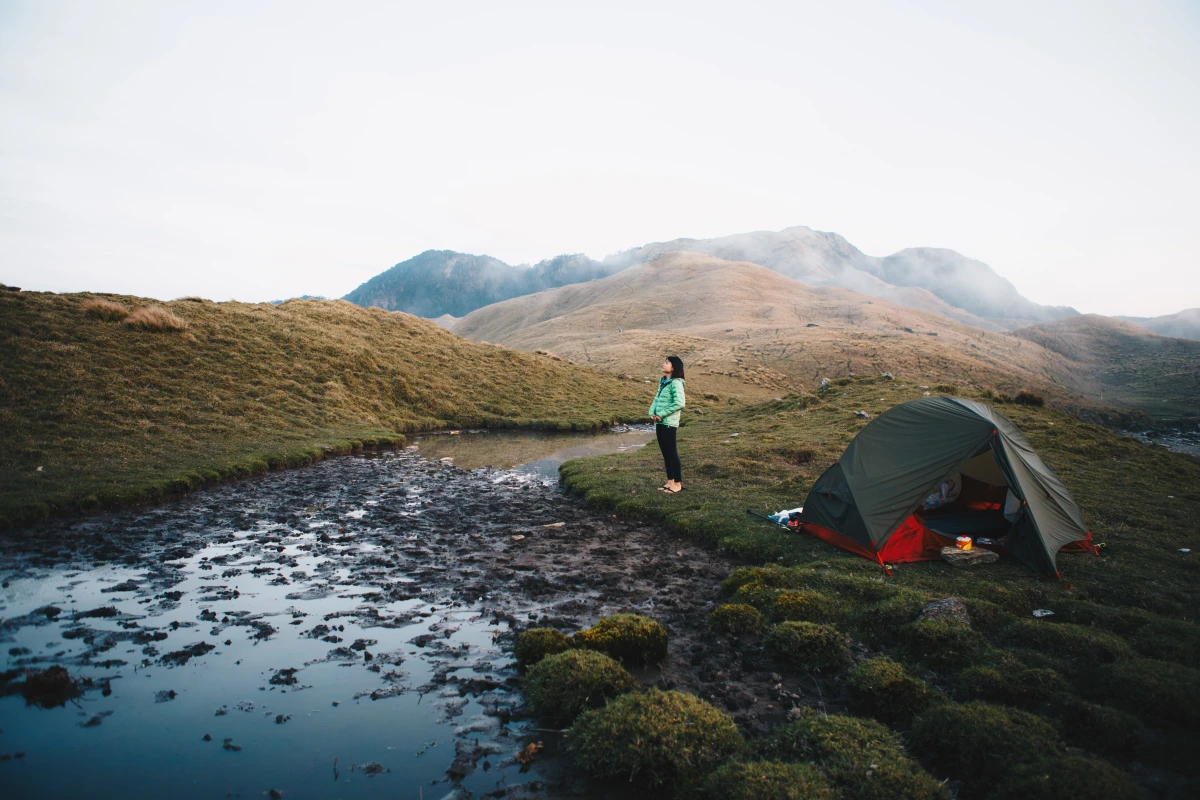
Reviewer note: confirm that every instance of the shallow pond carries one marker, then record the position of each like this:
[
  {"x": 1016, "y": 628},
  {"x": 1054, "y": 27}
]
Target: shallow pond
[{"x": 334, "y": 631}]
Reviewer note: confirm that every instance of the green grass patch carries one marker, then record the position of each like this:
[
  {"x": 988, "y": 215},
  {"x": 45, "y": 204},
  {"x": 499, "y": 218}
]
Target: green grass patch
[
  {"x": 1024, "y": 688},
  {"x": 808, "y": 646},
  {"x": 943, "y": 644},
  {"x": 765, "y": 780},
  {"x": 978, "y": 742},
  {"x": 562, "y": 685},
  {"x": 1068, "y": 777},
  {"x": 632, "y": 639},
  {"x": 533, "y": 645},
  {"x": 1154, "y": 690},
  {"x": 1077, "y": 643},
  {"x": 736, "y": 619},
  {"x": 881, "y": 688}
]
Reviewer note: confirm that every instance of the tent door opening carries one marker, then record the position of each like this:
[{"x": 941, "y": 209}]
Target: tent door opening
[{"x": 980, "y": 504}]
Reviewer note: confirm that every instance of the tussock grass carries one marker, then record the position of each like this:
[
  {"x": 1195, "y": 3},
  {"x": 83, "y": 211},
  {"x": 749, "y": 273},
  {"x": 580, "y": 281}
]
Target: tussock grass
[
  {"x": 562, "y": 685},
  {"x": 106, "y": 310},
  {"x": 630, "y": 638},
  {"x": 533, "y": 645},
  {"x": 883, "y": 689},
  {"x": 766, "y": 780},
  {"x": 736, "y": 619},
  {"x": 979, "y": 742},
  {"x": 117, "y": 415},
  {"x": 155, "y": 318},
  {"x": 808, "y": 646}
]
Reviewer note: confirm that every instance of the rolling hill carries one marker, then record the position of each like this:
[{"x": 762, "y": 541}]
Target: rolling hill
[
  {"x": 747, "y": 330},
  {"x": 96, "y": 412},
  {"x": 1182, "y": 325}
]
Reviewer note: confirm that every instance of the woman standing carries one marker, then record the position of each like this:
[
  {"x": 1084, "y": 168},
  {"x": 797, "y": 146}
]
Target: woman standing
[{"x": 665, "y": 412}]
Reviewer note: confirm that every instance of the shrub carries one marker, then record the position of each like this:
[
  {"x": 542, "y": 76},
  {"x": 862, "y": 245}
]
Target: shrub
[
  {"x": 1013, "y": 687},
  {"x": 807, "y": 646},
  {"x": 943, "y": 644},
  {"x": 1064, "y": 640},
  {"x": 155, "y": 318},
  {"x": 662, "y": 737},
  {"x": 106, "y": 310},
  {"x": 1152, "y": 689},
  {"x": 536, "y": 643},
  {"x": 882, "y": 689},
  {"x": 860, "y": 757},
  {"x": 1025, "y": 398},
  {"x": 880, "y": 624},
  {"x": 978, "y": 741},
  {"x": 765, "y": 780},
  {"x": 1069, "y": 777},
  {"x": 737, "y": 619},
  {"x": 1101, "y": 729},
  {"x": 632, "y": 639},
  {"x": 562, "y": 685},
  {"x": 803, "y": 605}
]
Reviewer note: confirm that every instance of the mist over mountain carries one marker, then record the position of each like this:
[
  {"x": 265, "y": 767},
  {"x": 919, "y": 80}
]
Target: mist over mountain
[
  {"x": 440, "y": 282},
  {"x": 939, "y": 281},
  {"x": 1182, "y": 325}
]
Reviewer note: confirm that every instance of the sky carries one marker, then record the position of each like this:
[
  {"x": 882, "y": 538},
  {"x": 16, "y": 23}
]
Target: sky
[{"x": 258, "y": 150}]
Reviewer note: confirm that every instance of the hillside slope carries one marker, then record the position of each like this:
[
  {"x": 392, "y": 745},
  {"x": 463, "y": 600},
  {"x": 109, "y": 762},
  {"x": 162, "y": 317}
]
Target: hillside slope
[
  {"x": 1129, "y": 364},
  {"x": 98, "y": 413},
  {"x": 747, "y": 330},
  {"x": 1181, "y": 325},
  {"x": 442, "y": 282}
]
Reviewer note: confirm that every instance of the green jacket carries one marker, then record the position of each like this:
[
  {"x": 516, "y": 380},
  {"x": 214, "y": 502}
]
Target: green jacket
[{"x": 668, "y": 401}]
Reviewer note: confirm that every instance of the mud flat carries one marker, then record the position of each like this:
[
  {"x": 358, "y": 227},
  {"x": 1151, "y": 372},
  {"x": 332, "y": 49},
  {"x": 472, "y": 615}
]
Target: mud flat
[{"x": 347, "y": 623}]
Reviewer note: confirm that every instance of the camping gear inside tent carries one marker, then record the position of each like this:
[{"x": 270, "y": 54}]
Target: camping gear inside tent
[{"x": 928, "y": 471}]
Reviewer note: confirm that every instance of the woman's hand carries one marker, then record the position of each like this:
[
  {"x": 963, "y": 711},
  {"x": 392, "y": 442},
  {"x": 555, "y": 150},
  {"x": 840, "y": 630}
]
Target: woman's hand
[{"x": 656, "y": 418}]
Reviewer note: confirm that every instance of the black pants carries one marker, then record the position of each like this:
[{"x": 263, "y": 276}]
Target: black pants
[{"x": 666, "y": 443}]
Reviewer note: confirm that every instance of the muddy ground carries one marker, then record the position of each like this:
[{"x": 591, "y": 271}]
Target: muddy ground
[{"x": 397, "y": 541}]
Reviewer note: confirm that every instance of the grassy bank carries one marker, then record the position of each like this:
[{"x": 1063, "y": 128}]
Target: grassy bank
[
  {"x": 1107, "y": 673},
  {"x": 108, "y": 405}
]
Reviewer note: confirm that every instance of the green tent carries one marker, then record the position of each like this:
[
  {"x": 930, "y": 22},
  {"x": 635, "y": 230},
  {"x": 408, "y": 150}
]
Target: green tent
[{"x": 886, "y": 498}]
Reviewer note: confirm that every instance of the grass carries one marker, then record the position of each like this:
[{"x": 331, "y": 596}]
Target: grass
[
  {"x": 1119, "y": 649},
  {"x": 632, "y": 639},
  {"x": 108, "y": 401},
  {"x": 560, "y": 686}
]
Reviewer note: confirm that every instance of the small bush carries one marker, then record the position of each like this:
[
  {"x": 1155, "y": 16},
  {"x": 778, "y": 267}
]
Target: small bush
[
  {"x": 1024, "y": 398},
  {"x": 661, "y": 737},
  {"x": 808, "y": 647},
  {"x": 1101, "y": 729},
  {"x": 535, "y": 644},
  {"x": 155, "y": 318},
  {"x": 632, "y": 639},
  {"x": 978, "y": 741},
  {"x": 106, "y": 310},
  {"x": 1151, "y": 689},
  {"x": 881, "y": 688},
  {"x": 803, "y": 606},
  {"x": 946, "y": 388},
  {"x": 1066, "y": 778},
  {"x": 861, "y": 757},
  {"x": 562, "y": 685},
  {"x": 1012, "y": 687},
  {"x": 1064, "y": 640},
  {"x": 943, "y": 644},
  {"x": 736, "y": 619},
  {"x": 765, "y": 780}
]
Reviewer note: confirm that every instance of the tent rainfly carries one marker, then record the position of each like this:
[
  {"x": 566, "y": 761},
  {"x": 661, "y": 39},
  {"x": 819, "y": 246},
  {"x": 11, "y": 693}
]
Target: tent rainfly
[{"x": 927, "y": 471}]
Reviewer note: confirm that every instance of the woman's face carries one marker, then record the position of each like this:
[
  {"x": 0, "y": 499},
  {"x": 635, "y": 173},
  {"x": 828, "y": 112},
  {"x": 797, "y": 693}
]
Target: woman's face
[{"x": 667, "y": 368}]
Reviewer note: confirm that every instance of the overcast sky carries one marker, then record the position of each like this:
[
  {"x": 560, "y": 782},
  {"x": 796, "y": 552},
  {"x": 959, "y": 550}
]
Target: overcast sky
[{"x": 257, "y": 150}]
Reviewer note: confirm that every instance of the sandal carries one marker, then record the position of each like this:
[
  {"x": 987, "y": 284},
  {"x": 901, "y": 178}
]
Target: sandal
[{"x": 665, "y": 490}]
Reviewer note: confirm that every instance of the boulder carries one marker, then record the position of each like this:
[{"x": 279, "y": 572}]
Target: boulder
[
  {"x": 968, "y": 558},
  {"x": 950, "y": 608}
]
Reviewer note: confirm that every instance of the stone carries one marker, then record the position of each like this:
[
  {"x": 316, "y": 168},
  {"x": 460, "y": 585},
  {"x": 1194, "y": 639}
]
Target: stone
[
  {"x": 950, "y": 608},
  {"x": 968, "y": 558}
]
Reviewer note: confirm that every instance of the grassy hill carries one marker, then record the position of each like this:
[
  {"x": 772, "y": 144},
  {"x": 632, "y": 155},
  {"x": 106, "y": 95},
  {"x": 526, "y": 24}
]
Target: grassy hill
[
  {"x": 101, "y": 408},
  {"x": 1181, "y": 325},
  {"x": 1113, "y": 670},
  {"x": 745, "y": 330}
]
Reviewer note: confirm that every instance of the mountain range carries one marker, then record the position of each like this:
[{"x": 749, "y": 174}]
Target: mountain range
[{"x": 439, "y": 282}]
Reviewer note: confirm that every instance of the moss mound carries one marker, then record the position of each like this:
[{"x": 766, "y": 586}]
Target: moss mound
[
  {"x": 661, "y": 737},
  {"x": 632, "y": 639},
  {"x": 808, "y": 646},
  {"x": 803, "y": 606},
  {"x": 980, "y": 742},
  {"x": 1100, "y": 729},
  {"x": 943, "y": 644},
  {"x": 861, "y": 757},
  {"x": 1066, "y": 778},
  {"x": 562, "y": 685},
  {"x": 766, "y": 780},
  {"x": 1012, "y": 687},
  {"x": 736, "y": 619},
  {"x": 1153, "y": 690},
  {"x": 881, "y": 688},
  {"x": 1065, "y": 640},
  {"x": 535, "y": 644},
  {"x": 986, "y": 616},
  {"x": 879, "y": 623}
]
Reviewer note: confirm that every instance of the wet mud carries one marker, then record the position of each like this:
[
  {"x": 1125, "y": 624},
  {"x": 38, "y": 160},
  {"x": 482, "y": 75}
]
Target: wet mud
[{"x": 346, "y": 623}]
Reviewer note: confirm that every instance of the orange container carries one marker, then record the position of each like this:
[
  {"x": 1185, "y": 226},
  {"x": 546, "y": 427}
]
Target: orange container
[{"x": 963, "y": 542}]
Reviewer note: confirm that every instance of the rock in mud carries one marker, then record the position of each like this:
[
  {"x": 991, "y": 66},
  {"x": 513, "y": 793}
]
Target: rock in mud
[
  {"x": 284, "y": 677},
  {"x": 181, "y": 657},
  {"x": 950, "y": 608}
]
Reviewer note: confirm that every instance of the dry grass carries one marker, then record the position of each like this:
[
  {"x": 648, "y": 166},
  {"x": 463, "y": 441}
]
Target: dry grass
[
  {"x": 114, "y": 416},
  {"x": 156, "y": 318},
  {"x": 106, "y": 310}
]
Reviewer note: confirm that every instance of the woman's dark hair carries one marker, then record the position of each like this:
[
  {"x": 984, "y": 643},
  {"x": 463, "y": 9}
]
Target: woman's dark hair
[{"x": 676, "y": 366}]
